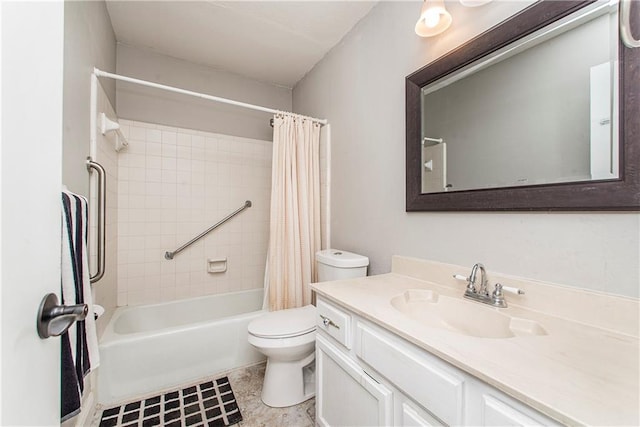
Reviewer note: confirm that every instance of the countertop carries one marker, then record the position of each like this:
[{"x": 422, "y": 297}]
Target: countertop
[{"x": 578, "y": 374}]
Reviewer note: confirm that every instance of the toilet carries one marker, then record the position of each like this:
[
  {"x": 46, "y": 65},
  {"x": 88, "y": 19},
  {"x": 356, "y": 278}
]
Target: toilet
[{"x": 287, "y": 337}]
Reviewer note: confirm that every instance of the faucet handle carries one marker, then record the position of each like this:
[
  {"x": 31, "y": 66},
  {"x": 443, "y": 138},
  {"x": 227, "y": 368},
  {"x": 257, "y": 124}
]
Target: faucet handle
[
  {"x": 511, "y": 289},
  {"x": 497, "y": 297},
  {"x": 470, "y": 285}
]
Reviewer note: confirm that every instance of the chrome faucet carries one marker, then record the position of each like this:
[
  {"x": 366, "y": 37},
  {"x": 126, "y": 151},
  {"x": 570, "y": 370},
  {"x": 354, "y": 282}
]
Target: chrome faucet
[
  {"x": 471, "y": 286},
  {"x": 481, "y": 294}
]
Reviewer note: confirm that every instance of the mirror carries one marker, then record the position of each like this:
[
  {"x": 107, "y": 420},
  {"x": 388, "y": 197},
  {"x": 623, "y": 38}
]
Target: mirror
[
  {"x": 538, "y": 111},
  {"x": 528, "y": 116}
]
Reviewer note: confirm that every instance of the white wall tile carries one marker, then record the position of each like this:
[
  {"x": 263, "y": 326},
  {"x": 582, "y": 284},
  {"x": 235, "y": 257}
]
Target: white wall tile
[
  {"x": 183, "y": 165},
  {"x": 175, "y": 184},
  {"x": 152, "y": 201},
  {"x": 154, "y": 162},
  {"x": 169, "y": 150},
  {"x": 137, "y": 188},
  {"x": 183, "y": 139},
  {"x": 136, "y": 160},
  {"x": 153, "y": 135},
  {"x": 135, "y": 201},
  {"x": 183, "y": 152},
  {"x": 137, "y": 174},
  {"x": 153, "y": 149},
  {"x": 168, "y": 136},
  {"x": 136, "y": 132},
  {"x": 168, "y": 163},
  {"x": 136, "y": 146},
  {"x": 198, "y": 141},
  {"x": 169, "y": 176}
]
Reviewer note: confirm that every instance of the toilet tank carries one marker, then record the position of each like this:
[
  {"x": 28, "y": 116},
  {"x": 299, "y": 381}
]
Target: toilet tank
[{"x": 334, "y": 264}]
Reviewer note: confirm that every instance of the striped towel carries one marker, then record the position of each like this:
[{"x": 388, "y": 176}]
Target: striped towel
[{"x": 80, "y": 343}]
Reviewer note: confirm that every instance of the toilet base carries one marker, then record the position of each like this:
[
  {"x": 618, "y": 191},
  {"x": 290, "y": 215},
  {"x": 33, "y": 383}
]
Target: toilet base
[{"x": 287, "y": 384}]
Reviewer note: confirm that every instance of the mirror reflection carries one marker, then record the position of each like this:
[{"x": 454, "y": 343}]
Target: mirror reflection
[{"x": 541, "y": 112}]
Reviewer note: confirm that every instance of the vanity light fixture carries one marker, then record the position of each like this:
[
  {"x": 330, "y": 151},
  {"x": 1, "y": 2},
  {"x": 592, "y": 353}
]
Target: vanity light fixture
[{"x": 434, "y": 18}]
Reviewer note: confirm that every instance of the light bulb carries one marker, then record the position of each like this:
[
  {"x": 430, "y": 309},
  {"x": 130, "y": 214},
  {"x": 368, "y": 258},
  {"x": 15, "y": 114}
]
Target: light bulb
[{"x": 431, "y": 18}]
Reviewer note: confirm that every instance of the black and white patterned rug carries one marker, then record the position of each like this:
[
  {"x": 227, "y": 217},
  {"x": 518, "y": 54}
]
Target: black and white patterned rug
[{"x": 211, "y": 403}]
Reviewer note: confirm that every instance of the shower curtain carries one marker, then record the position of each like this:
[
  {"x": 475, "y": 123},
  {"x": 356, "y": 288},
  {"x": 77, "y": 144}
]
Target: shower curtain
[{"x": 294, "y": 234}]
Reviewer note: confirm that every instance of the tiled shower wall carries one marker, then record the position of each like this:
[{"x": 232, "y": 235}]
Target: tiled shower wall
[{"x": 175, "y": 183}]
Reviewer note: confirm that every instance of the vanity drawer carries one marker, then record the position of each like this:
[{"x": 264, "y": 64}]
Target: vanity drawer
[
  {"x": 334, "y": 321},
  {"x": 430, "y": 382}
]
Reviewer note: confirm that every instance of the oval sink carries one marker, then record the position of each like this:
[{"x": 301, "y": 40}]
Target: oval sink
[{"x": 463, "y": 317}]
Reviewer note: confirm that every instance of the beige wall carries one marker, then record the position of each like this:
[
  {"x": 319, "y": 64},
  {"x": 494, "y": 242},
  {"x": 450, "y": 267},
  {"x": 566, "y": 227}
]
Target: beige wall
[
  {"x": 89, "y": 42},
  {"x": 156, "y": 106},
  {"x": 359, "y": 87}
]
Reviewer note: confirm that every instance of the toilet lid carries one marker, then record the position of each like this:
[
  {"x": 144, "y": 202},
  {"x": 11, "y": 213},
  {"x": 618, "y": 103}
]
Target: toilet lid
[{"x": 285, "y": 323}]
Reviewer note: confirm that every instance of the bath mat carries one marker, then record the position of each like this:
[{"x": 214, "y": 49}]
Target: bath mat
[{"x": 211, "y": 403}]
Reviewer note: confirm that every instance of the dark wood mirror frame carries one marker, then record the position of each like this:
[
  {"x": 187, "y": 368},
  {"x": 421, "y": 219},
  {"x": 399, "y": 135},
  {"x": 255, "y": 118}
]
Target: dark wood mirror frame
[{"x": 621, "y": 194}]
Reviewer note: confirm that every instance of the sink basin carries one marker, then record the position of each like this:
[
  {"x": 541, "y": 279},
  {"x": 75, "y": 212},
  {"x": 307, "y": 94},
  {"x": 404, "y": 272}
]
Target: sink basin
[{"x": 461, "y": 316}]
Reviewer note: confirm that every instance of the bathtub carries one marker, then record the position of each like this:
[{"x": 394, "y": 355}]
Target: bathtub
[{"x": 153, "y": 347}]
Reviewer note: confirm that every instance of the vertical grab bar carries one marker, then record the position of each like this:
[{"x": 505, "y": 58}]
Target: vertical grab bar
[{"x": 102, "y": 206}]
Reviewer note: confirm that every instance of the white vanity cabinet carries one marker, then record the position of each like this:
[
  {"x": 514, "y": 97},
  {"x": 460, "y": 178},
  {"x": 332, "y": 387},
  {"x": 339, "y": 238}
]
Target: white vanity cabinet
[
  {"x": 488, "y": 406},
  {"x": 346, "y": 394},
  {"x": 369, "y": 376}
]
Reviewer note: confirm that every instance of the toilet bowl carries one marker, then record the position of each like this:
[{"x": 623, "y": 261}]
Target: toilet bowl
[{"x": 287, "y": 338}]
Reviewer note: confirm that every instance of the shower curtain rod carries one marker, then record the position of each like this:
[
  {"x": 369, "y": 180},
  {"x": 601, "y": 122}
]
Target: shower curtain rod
[{"x": 100, "y": 73}]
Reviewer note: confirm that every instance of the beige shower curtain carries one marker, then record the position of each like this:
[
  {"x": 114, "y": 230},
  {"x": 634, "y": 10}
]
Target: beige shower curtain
[{"x": 294, "y": 234}]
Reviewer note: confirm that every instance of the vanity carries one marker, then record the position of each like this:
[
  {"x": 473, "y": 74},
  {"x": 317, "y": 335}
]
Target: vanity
[{"x": 407, "y": 349}]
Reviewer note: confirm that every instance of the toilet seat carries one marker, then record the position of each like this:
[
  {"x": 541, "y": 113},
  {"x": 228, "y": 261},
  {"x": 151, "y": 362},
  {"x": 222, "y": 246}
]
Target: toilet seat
[{"x": 287, "y": 323}]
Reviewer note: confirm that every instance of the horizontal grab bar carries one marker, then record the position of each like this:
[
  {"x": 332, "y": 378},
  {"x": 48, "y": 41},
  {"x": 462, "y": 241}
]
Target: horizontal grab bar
[{"x": 170, "y": 255}]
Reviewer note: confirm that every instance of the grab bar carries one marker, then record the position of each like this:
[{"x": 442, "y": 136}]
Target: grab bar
[
  {"x": 170, "y": 255},
  {"x": 102, "y": 206}
]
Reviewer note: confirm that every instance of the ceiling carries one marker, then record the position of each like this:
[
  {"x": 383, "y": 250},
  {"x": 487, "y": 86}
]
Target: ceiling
[{"x": 271, "y": 41}]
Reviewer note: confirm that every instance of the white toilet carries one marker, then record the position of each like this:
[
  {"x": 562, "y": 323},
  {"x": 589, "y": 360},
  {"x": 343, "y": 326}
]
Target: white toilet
[{"x": 287, "y": 337}]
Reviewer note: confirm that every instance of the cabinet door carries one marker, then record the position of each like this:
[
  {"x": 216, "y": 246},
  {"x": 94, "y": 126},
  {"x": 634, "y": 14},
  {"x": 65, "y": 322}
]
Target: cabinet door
[{"x": 346, "y": 394}]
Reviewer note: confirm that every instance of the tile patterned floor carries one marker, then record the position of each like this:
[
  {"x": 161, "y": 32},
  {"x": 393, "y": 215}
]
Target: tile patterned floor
[
  {"x": 247, "y": 387},
  {"x": 210, "y": 403}
]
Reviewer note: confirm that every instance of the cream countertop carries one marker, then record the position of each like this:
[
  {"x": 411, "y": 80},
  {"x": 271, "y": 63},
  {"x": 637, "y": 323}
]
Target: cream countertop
[{"x": 577, "y": 374}]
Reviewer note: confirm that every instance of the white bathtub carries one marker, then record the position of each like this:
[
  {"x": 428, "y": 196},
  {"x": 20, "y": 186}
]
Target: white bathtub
[{"x": 153, "y": 347}]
